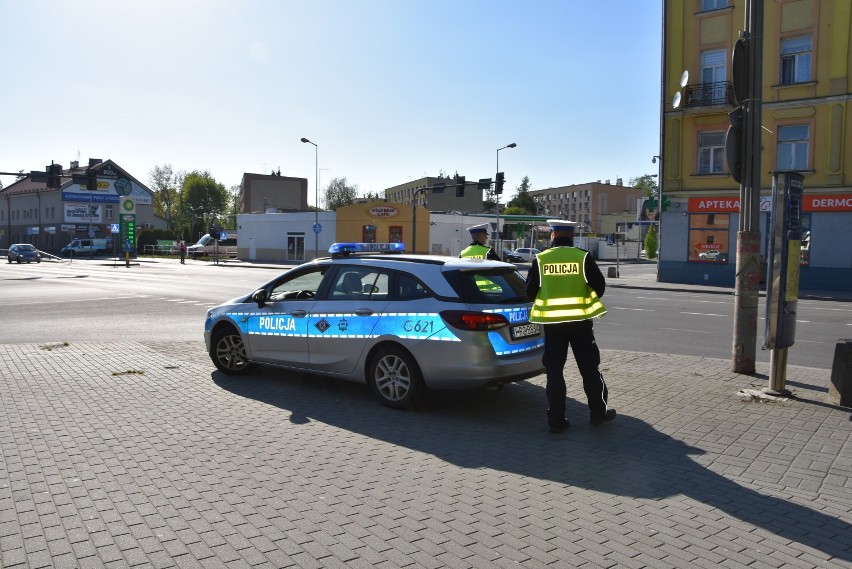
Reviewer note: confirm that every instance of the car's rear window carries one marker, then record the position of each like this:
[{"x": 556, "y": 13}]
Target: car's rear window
[{"x": 488, "y": 286}]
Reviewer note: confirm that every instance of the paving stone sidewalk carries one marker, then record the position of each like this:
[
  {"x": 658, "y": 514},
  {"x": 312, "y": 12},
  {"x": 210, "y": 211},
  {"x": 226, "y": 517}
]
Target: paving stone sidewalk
[{"x": 141, "y": 455}]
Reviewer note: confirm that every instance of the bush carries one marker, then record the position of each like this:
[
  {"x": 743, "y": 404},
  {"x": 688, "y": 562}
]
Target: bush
[{"x": 651, "y": 242}]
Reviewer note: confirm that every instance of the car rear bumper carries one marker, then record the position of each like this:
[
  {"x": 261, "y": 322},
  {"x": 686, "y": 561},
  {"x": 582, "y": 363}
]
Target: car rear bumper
[{"x": 464, "y": 367}]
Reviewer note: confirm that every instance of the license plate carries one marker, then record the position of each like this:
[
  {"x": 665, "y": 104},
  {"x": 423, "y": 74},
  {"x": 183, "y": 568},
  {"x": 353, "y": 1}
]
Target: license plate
[{"x": 525, "y": 331}]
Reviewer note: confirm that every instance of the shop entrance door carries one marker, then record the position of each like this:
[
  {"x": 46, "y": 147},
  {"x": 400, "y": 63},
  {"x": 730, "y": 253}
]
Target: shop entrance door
[{"x": 295, "y": 246}]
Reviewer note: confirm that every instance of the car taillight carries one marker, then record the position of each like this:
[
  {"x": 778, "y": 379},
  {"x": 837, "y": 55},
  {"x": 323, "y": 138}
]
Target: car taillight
[{"x": 474, "y": 321}]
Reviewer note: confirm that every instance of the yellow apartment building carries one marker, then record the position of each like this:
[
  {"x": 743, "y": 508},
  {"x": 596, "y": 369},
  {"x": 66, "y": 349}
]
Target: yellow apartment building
[{"x": 806, "y": 71}]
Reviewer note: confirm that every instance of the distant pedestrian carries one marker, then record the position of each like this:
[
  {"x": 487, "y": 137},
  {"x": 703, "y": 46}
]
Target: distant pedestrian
[
  {"x": 478, "y": 248},
  {"x": 567, "y": 285},
  {"x": 182, "y": 250}
]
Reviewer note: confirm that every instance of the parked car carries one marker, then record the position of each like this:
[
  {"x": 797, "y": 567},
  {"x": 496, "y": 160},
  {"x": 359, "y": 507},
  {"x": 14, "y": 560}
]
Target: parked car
[
  {"x": 207, "y": 246},
  {"x": 713, "y": 255},
  {"x": 400, "y": 323},
  {"x": 23, "y": 252},
  {"x": 511, "y": 257},
  {"x": 527, "y": 253},
  {"x": 85, "y": 246}
]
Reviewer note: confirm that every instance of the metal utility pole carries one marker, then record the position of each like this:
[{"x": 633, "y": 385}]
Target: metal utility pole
[{"x": 748, "y": 89}]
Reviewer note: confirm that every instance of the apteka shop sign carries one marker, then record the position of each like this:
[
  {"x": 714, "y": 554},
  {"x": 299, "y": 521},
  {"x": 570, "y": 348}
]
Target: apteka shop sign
[
  {"x": 383, "y": 211},
  {"x": 842, "y": 202}
]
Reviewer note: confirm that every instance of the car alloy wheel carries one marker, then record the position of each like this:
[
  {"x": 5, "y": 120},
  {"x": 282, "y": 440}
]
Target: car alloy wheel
[
  {"x": 228, "y": 352},
  {"x": 395, "y": 378}
]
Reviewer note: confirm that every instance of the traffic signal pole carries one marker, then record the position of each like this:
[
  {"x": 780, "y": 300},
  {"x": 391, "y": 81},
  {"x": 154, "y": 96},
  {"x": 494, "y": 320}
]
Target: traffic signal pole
[{"x": 748, "y": 265}]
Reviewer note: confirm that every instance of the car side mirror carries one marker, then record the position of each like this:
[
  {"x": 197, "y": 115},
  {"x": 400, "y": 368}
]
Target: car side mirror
[{"x": 259, "y": 297}]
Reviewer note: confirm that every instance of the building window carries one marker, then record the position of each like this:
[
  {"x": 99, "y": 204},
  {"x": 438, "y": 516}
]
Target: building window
[
  {"x": 395, "y": 234},
  {"x": 708, "y": 237},
  {"x": 708, "y": 5},
  {"x": 712, "y": 66},
  {"x": 793, "y": 146},
  {"x": 796, "y": 60},
  {"x": 711, "y": 152}
]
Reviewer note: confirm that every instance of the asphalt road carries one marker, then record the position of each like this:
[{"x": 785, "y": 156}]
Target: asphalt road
[{"x": 166, "y": 301}]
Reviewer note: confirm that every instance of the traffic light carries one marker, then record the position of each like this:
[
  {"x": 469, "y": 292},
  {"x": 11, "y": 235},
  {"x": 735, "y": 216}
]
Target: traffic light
[
  {"x": 498, "y": 185},
  {"x": 735, "y": 144},
  {"x": 459, "y": 186},
  {"x": 91, "y": 179},
  {"x": 54, "y": 171},
  {"x": 734, "y": 147}
]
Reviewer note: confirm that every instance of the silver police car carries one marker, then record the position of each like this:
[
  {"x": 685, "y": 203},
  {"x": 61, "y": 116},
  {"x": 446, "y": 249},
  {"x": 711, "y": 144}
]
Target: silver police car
[{"x": 399, "y": 323}]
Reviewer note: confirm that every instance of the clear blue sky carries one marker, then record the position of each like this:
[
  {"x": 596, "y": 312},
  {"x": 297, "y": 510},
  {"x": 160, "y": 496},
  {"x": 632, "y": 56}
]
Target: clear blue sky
[{"x": 390, "y": 90}]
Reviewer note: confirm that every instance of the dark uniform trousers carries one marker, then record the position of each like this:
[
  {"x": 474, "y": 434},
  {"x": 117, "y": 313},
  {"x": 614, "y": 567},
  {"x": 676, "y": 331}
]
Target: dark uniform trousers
[{"x": 581, "y": 338}]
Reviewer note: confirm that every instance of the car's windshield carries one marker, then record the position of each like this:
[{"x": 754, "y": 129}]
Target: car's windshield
[{"x": 26, "y": 248}]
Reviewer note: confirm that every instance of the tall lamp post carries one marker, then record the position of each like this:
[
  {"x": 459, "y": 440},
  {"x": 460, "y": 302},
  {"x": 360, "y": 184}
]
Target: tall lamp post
[
  {"x": 497, "y": 195},
  {"x": 316, "y": 198}
]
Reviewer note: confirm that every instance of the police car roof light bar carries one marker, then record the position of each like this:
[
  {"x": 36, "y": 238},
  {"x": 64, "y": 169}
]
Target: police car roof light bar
[{"x": 342, "y": 249}]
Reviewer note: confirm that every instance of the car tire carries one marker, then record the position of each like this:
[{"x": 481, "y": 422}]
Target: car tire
[
  {"x": 394, "y": 377},
  {"x": 228, "y": 352}
]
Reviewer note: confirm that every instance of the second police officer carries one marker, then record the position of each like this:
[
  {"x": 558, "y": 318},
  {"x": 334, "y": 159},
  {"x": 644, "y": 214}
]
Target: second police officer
[
  {"x": 477, "y": 248},
  {"x": 567, "y": 285}
]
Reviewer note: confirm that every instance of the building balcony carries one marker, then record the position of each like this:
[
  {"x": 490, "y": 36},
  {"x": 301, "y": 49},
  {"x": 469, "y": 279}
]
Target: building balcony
[{"x": 709, "y": 94}]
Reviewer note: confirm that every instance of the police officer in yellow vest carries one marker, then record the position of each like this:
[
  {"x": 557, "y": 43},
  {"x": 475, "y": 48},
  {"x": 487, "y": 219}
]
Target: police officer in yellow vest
[
  {"x": 478, "y": 249},
  {"x": 567, "y": 286}
]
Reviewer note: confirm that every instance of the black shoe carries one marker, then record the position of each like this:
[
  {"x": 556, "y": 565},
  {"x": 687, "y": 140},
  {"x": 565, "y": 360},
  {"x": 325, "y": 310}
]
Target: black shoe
[
  {"x": 600, "y": 420},
  {"x": 559, "y": 427}
]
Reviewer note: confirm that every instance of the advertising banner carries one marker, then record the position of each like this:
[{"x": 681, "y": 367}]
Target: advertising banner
[
  {"x": 108, "y": 191},
  {"x": 840, "y": 202},
  {"x": 83, "y": 213}
]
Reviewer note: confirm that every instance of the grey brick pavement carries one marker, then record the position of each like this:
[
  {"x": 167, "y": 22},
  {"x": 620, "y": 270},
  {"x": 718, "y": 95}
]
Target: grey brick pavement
[{"x": 130, "y": 455}]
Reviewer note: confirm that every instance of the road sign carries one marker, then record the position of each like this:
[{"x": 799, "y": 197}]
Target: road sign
[
  {"x": 113, "y": 228},
  {"x": 317, "y": 228},
  {"x": 223, "y": 235}
]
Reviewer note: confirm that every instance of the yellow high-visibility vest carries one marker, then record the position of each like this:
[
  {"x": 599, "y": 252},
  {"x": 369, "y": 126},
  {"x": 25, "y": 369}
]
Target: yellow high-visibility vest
[
  {"x": 475, "y": 252},
  {"x": 564, "y": 294}
]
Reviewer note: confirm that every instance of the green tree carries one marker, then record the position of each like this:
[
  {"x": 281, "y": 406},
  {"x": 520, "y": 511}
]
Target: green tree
[
  {"x": 651, "y": 242},
  {"x": 164, "y": 183},
  {"x": 339, "y": 193},
  {"x": 203, "y": 201},
  {"x": 233, "y": 207},
  {"x": 647, "y": 183},
  {"x": 523, "y": 203},
  {"x": 373, "y": 196}
]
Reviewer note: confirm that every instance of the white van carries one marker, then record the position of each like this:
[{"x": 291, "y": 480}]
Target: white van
[
  {"x": 208, "y": 246},
  {"x": 85, "y": 246}
]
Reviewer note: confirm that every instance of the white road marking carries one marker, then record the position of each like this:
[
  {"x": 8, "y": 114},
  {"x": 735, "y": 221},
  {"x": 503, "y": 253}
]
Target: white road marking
[{"x": 703, "y": 314}]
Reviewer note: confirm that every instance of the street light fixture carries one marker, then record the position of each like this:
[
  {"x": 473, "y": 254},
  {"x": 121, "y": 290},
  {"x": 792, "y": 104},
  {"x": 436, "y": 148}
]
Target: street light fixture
[
  {"x": 499, "y": 232},
  {"x": 316, "y": 198}
]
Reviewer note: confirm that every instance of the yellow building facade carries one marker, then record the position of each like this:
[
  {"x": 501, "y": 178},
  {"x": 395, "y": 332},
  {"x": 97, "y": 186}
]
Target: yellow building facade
[
  {"x": 384, "y": 222},
  {"x": 805, "y": 77}
]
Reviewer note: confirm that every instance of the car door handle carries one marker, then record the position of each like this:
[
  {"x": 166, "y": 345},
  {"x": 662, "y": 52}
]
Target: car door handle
[
  {"x": 298, "y": 313},
  {"x": 363, "y": 312}
]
